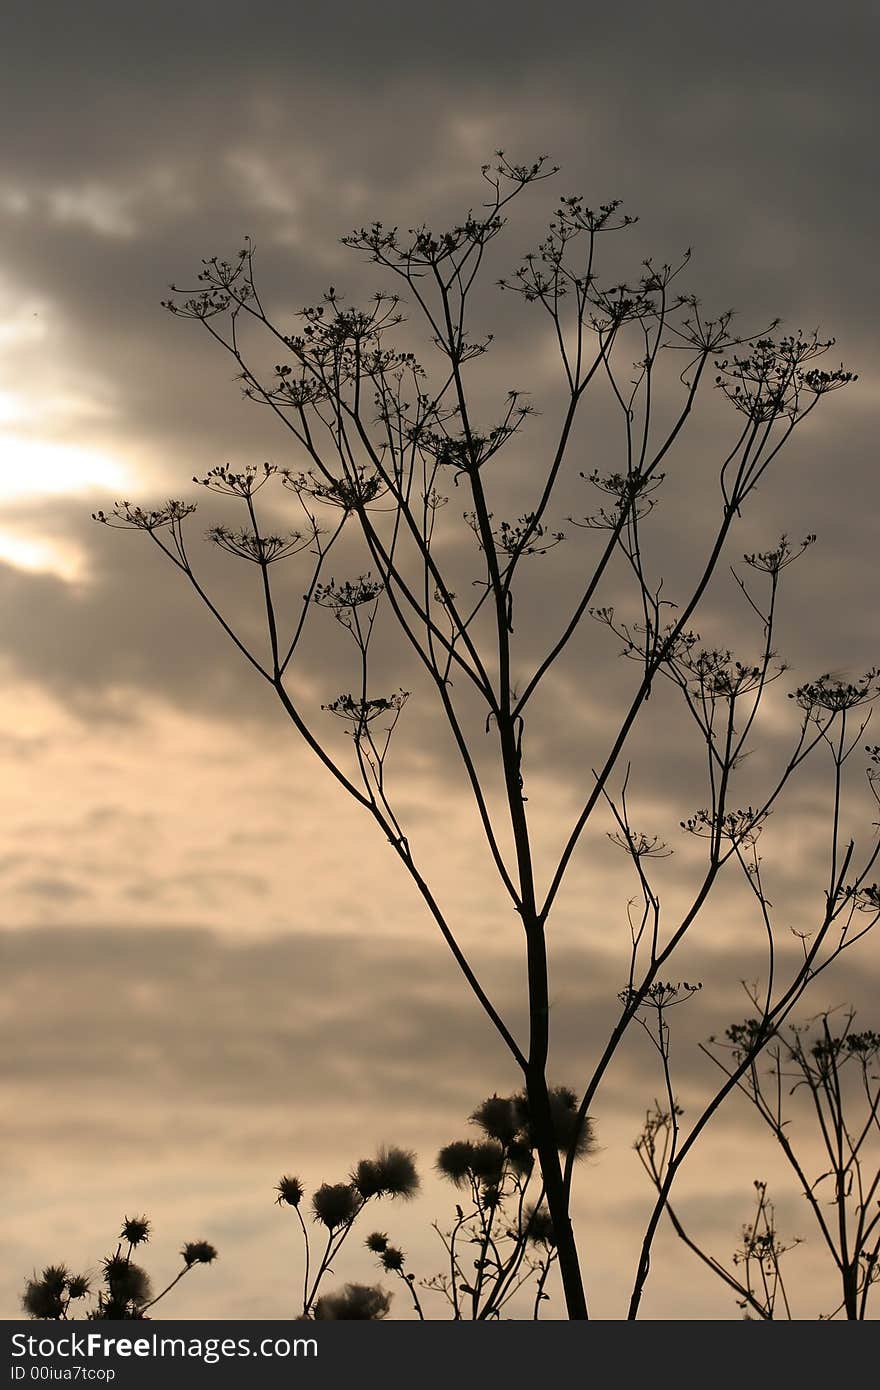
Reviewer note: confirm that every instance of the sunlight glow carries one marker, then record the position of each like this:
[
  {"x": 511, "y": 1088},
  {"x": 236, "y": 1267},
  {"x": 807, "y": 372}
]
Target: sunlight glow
[
  {"x": 39, "y": 556},
  {"x": 40, "y": 467}
]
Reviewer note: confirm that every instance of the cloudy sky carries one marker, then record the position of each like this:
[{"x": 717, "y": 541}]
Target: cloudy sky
[{"x": 214, "y": 969}]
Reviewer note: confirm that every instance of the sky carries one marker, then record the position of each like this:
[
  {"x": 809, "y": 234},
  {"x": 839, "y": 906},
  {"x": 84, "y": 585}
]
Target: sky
[{"x": 214, "y": 969}]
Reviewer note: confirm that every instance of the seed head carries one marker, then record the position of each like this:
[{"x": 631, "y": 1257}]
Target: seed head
[
  {"x": 397, "y": 1172},
  {"x": 498, "y": 1118},
  {"x": 538, "y": 1226},
  {"x": 135, "y": 1230},
  {"x": 290, "y": 1190},
  {"x": 198, "y": 1252},
  {"x": 336, "y": 1204},
  {"x": 354, "y": 1302},
  {"x": 454, "y": 1161},
  {"x": 126, "y": 1282},
  {"x": 40, "y": 1300}
]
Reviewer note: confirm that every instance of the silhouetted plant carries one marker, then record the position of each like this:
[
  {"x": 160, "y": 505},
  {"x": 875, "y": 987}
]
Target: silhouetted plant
[
  {"x": 836, "y": 1069},
  {"x": 50, "y": 1295},
  {"x": 336, "y": 1207},
  {"x": 385, "y": 447},
  {"x": 124, "y": 1290},
  {"x": 502, "y": 1221}
]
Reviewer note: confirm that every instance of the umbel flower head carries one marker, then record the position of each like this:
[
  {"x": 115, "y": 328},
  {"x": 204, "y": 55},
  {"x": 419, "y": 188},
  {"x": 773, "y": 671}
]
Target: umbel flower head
[
  {"x": 355, "y": 1303},
  {"x": 833, "y": 693}
]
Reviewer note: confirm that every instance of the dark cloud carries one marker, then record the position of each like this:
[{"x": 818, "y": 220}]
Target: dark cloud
[
  {"x": 201, "y": 1018},
  {"x": 177, "y": 138}
]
